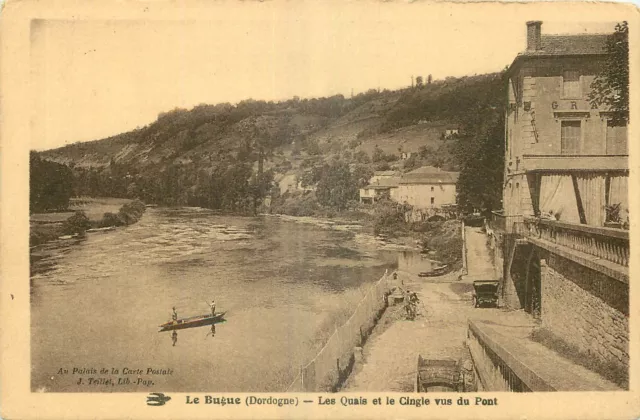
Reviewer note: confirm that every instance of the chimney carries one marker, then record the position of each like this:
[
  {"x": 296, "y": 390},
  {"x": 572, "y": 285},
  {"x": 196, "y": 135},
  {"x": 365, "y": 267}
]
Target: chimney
[{"x": 533, "y": 35}]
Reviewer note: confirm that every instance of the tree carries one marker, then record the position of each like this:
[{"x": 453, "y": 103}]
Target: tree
[
  {"x": 419, "y": 82},
  {"x": 480, "y": 153},
  {"x": 378, "y": 154},
  {"x": 337, "y": 186},
  {"x": 611, "y": 86},
  {"x": 50, "y": 184},
  {"x": 429, "y": 79},
  {"x": 362, "y": 174}
]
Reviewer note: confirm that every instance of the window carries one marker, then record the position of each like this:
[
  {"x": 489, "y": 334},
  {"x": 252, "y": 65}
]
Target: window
[
  {"x": 571, "y": 84},
  {"x": 433, "y": 201},
  {"x": 570, "y": 138},
  {"x": 616, "y": 138},
  {"x": 431, "y": 189}
]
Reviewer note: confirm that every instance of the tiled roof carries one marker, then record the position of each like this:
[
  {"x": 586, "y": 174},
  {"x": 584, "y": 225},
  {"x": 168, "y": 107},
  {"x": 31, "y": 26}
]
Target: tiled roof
[
  {"x": 583, "y": 44},
  {"x": 384, "y": 183},
  {"x": 429, "y": 175}
]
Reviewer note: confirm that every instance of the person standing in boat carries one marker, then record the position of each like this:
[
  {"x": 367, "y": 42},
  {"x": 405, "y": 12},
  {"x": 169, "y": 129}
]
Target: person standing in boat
[
  {"x": 213, "y": 307},
  {"x": 174, "y": 315}
]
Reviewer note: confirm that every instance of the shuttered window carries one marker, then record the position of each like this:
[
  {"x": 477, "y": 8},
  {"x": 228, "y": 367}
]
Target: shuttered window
[
  {"x": 570, "y": 138},
  {"x": 571, "y": 84},
  {"x": 616, "y": 139}
]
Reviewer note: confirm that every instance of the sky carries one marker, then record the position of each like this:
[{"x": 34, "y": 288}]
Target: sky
[{"x": 94, "y": 78}]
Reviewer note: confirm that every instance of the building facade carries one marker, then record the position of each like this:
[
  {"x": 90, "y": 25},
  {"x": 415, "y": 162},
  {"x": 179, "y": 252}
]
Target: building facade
[
  {"x": 565, "y": 159},
  {"x": 427, "y": 188},
  {"x": 383, "y": 184},
  {"x": 561, "y": 244}
]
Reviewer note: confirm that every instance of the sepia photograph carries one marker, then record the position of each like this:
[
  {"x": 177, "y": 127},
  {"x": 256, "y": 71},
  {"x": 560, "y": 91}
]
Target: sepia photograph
[{"x": 280, "y": 199}]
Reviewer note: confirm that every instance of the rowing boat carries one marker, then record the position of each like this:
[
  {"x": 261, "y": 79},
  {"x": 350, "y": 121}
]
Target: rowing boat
[
  {"x": 194, "y": 321},
  {"x": 438, "y": 271}
]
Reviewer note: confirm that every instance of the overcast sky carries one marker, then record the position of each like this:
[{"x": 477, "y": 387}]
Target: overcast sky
[{"x": 96, "y": 78}]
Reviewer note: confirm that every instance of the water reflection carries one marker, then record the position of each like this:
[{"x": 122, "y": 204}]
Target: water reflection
[
  {"x": 283, "y": 280},
  {"x": 414, "y": 262},
  {"x": 174, "y": 335}
]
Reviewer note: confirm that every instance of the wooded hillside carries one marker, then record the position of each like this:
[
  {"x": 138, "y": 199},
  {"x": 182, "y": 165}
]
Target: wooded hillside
[{"x": 227, "y": 156}]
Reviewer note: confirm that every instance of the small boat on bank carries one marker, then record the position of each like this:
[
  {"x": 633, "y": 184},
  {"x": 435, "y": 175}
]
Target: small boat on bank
[
  {"x": 75, "y": 235},
  {"x": 437, "y": 271},
  {"x": 194, "y": 321},
  {"x": 102, "y": 229}
]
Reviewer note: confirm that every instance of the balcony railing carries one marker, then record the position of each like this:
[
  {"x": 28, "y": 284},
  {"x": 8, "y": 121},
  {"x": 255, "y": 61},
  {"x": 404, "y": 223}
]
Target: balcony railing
[{"x": 603, "y": 243}]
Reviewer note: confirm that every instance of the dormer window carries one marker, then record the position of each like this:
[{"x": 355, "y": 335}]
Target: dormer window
[{"x": 571, "y": 85}]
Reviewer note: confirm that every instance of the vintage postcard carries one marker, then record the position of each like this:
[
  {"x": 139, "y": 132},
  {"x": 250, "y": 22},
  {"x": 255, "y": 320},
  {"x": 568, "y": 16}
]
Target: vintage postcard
[{"x": 318, "y": 210}]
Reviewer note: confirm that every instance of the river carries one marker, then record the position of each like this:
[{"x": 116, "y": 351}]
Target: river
[{"x": 285, "y": 283}]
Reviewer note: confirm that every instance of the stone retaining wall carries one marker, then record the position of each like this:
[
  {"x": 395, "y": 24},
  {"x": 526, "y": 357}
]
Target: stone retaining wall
[{"x": 586, "y": 309}]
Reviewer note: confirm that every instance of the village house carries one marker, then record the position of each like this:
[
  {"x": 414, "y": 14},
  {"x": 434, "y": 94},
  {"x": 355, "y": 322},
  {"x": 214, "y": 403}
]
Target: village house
[
  {"x": 450, "y": 132},
  {"x": 381, "y": 185},
  {"x": 427, "y": 188},
  {"x": 560, "y": 246},
  {"x": 378, "y": 175},
  {"x": 383, "y": 188}
]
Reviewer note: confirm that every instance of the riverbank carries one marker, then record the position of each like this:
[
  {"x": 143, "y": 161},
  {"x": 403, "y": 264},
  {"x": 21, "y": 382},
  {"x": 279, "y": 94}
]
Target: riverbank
[
  {"x": 304, "y": 280},
  {"x": 440, "y": 240},
  {"x": 83, "y": 214}
]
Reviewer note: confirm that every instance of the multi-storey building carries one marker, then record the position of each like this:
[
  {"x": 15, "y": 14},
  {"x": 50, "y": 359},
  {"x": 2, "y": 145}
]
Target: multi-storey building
[
  {"x": 565, "y": 159},
  {"x": 562, "y": 248}
]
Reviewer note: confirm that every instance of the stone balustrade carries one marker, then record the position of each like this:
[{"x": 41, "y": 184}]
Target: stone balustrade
[{"x": 603, "y": 243}]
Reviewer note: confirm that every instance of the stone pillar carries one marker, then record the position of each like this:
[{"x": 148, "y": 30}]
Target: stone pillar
[{"x": 544, "y": 271}]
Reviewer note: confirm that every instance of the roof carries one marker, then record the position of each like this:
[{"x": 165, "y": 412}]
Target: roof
[
  {"x": 578, "y": 44},
  {"x": 567, "y": 45},
  {"x": 384, "y": 183},
  {"x": 385, "y": 173},
  {"x": 429, "y": 175}
]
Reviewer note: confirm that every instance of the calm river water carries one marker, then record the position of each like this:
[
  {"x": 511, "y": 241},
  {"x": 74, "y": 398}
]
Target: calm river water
[{"x": 97, "y": 303}]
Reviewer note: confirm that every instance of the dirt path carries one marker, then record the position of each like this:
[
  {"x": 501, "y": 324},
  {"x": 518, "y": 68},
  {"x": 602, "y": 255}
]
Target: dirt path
[
  {"x": 439, "y": 331},
  {"x": 479, "y": 262}
]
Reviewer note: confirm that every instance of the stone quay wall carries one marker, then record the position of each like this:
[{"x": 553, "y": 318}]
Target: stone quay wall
[{"x": 586, "y": 309}]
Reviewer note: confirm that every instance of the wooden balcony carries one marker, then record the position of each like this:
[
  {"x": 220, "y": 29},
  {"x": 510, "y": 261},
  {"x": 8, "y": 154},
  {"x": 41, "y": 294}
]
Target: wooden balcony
[{"x": 603, "y": 249}]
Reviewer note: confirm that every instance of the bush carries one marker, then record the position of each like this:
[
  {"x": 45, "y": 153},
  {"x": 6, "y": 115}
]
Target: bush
[
  {"x": 445, "y": 238},
  {"x": 297, "y": 205},
  {"x": 389, "y": 217},
  {"x": 128, "y": 214},
  {"x": 382, "y": 166},
  {"x": 78, "y": 223},
  {"x": 110, "y": 219}
]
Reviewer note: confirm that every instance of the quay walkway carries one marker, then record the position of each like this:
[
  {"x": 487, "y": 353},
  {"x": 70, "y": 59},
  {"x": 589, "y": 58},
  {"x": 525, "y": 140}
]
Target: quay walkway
[{"x": 505, "y": 357}]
